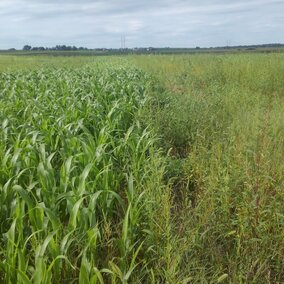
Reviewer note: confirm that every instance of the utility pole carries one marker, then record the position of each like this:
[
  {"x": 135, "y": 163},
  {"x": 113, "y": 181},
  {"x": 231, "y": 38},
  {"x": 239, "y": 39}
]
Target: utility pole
[
  {"x": 228, "y": 43},
  {"x": 123, "y": 45}
]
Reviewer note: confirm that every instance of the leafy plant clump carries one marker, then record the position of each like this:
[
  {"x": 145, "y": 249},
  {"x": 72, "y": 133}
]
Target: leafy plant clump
[{"x": 79, "y": 176}]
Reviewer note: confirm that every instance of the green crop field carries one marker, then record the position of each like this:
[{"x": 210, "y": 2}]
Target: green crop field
[{"x": 142, "y": 169}]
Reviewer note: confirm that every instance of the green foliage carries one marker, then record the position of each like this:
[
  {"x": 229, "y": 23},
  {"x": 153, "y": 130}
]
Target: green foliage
[
  {"x": 75, "y": 167},
  {"x": 173, "y": 174},
  {"x": 220, "y": 120}
]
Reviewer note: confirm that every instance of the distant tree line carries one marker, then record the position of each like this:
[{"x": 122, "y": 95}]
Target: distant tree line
[
  {"x": 266, "y": 45},
  {"x": 151, "y": 49},
  {"x": 57, "y": 47}
]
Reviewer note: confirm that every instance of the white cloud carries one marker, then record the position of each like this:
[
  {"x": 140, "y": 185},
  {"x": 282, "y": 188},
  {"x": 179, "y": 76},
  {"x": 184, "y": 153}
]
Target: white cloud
[{"x": 97, "y": 23}]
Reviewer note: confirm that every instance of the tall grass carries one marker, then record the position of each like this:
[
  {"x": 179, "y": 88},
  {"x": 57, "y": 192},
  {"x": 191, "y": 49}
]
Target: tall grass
[
  {"x": 221, "y": 120},
  {"x": 79, "y": 177}
]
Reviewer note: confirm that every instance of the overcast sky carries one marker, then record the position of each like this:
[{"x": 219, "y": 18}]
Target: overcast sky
[{"x": 158, "y": 23}]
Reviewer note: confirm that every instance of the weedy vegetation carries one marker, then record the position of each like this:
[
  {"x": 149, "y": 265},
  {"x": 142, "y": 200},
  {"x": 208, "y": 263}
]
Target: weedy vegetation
[{"x": 142, "y": 169}]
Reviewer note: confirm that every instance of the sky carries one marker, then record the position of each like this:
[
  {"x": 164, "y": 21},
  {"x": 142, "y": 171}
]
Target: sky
[{"x": 157, "y": 23}]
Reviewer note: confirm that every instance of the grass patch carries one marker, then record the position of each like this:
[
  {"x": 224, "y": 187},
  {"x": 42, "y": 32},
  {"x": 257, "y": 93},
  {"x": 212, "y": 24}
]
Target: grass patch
[{"x": 220, "y": 119}]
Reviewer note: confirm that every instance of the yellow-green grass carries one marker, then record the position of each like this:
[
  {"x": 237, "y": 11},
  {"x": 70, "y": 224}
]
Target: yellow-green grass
[
  {"x": 24, "y": 62},
  {"x": 221, "y": 123}
]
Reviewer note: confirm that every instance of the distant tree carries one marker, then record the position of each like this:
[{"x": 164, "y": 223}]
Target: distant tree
[
  {"x": 57, "y": 48},
  {"x": 27, "y": 47},
  {"x": 63, "y": 47},
  {"x": 38, "y": 48}
]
